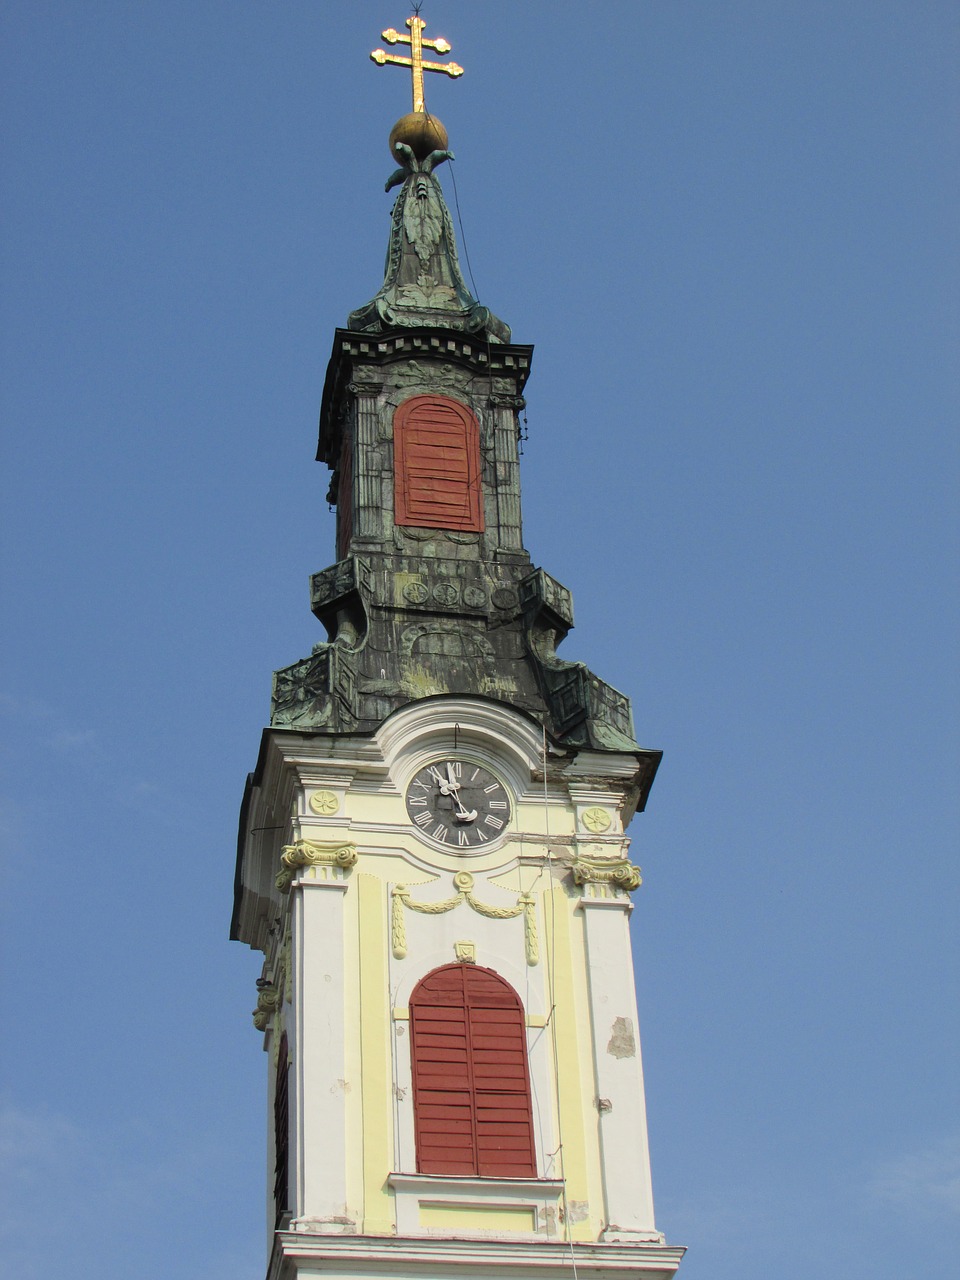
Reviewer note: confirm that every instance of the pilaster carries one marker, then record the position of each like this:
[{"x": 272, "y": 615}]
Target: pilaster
[
  {"x": 319, "y": 1190},
  {"x": 369, "y": 467},
  {"x": 619, "y": 1097},
  {"x": 567, "y": 1041},
  {"x": 375, "y": 1060},
  {"x": 506, "y": 490}
]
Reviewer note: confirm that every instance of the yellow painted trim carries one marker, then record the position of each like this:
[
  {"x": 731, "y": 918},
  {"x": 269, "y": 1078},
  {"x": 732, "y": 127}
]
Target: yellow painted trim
[
  {"x": 401, "y": 1013},
  {"x": 536, "y": 1020},
  {"x": 570, "y": 1093},
  {"x": 375, "y": 1076},
  {"x": 478, "y": 1217}
]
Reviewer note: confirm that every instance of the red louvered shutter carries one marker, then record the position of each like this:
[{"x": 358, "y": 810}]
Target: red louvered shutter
[
  {"x": 436, "y": 443},
  {"x": 471, "y": 1085}
]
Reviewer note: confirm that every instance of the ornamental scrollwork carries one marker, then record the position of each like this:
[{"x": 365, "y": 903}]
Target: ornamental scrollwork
[
  {"x": 622, "y": 874},
  {"x": 268, "y": 1002},
  {"x": 308, "y": 853},
  {"x": 463, "y": 883}
]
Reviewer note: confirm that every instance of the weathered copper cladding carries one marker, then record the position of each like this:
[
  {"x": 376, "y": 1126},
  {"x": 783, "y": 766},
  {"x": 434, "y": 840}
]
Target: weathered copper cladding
[{"x": 433, "y": 592}]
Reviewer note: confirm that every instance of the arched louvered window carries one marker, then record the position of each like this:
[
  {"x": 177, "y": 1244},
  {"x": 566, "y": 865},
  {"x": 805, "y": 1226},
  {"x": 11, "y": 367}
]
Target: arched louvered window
[
  {"x": 471, "y": 1084},
  {"x": 436, "y": 448}
]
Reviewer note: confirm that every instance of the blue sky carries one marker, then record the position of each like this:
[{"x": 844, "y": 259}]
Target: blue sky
[{"x": 731, "y": 232}]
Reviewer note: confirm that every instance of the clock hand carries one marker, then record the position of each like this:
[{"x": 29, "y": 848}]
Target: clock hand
[
  {"x": 452, "y": 788},
  {"x": 449, "y": 787},
  {"x": 445, "y": 787},
  {"x": 463, "y": 814}
]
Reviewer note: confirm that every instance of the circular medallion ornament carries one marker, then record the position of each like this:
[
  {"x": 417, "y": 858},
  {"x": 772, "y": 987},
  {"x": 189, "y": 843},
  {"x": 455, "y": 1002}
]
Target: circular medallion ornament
[
  {"x": 504, "y": 598},
  {"x": 324, "y": 802},
  {"x": 415, "y": 592},
  {"x": 456, "y": 804},
  {"x": 446, "y": 593},
  {"x": 596, "y": 819},
  {"x": 474, "y": 597}
]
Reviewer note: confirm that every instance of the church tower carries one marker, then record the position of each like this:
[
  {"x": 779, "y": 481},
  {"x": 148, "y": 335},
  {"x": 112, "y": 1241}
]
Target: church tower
[{"x": 432, "y": 852}]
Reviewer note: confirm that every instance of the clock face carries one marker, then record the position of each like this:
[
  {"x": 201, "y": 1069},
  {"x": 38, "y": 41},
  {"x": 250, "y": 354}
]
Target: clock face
[{"x": 458, "y": 804}]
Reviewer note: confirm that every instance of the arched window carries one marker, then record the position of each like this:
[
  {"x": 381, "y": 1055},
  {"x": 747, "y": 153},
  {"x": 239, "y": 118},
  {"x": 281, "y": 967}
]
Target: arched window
[
  {"x": 471, "y": 1084},
  {"x": 436, "y": 446}
]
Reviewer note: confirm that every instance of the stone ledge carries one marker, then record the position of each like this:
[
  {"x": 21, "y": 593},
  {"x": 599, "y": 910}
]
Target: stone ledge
[{"x": 338, "y": 1257}]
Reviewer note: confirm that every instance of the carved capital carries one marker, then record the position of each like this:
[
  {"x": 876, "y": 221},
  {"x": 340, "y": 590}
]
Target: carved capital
[
  {"x": 620, "y": 873},
  {"x": 268, "y": 1002},
  {"x": 309, "y": 853}
]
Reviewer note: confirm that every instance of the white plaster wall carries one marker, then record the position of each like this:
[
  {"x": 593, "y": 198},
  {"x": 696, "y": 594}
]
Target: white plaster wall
[
  {"x": 318, "y": 1152},
  {"x": 619, "y": 1075}
]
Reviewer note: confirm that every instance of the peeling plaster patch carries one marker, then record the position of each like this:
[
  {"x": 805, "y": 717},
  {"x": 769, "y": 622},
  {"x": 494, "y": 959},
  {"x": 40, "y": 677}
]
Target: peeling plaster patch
[
  {"x": 399, "y": 1093},
  {"x": 578, "y": 1210},
  {"x": 622, "y": 1042},
  {"x": 343, "y": 1085},
  {"x": 336, "y": 1224}
]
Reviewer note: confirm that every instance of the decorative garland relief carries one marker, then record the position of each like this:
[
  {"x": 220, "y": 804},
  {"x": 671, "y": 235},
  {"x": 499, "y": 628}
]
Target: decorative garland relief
[{"x": 463, "y": 883}]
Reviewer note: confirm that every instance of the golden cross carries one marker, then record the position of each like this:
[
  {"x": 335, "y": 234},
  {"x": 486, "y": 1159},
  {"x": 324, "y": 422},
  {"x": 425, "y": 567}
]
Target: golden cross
[{"x": 415, "y": 62}]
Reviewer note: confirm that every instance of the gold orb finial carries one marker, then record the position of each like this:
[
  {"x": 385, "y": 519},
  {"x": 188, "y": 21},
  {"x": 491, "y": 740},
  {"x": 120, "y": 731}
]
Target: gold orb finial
[{"x": 421, "y": 133}]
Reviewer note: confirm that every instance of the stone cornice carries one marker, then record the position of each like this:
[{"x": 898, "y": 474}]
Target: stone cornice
[{"x": 435, "y": 1259}]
